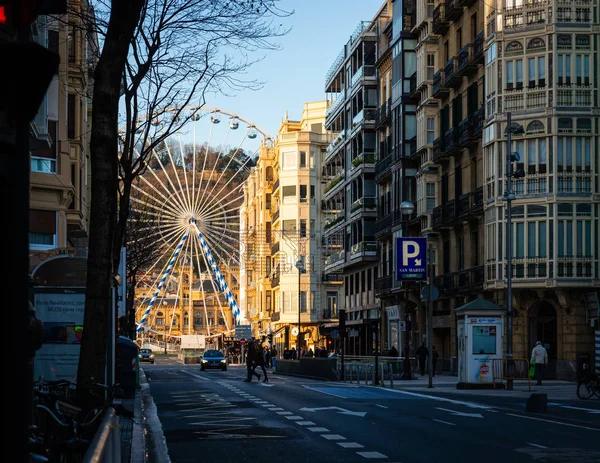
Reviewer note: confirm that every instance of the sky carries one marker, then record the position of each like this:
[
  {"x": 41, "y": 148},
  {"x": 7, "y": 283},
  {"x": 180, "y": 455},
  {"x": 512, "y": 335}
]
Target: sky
[{"x": 295, "y": 74}]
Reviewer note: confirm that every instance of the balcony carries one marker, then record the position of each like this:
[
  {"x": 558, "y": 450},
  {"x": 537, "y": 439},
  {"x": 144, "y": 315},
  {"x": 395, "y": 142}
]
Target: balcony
[
  {"x": 471, "y": 204},
  {"x": 275, "y": 186},
  {"x": 334, "y": 259},
  {"x": 438, "y": 150},
  {"x": 384, "y": 285},
  {"x": 364, "y": 249},
  {"x": 328, "y": 277},
  {"x": 439, "y": 86},
  {"x": 275, "y": 216},
  {"x": 451, "y": 145},
  {"x": 382, "y": 168},
  {"x": 452, "y": 79},
  {"x": 465, "y": 3},
  {"x": 337, "y": 103},
  {"x": 335, "y": 220},
  {"x": 335, "y": 181},
  {"x": 478, "y": 54},
  {"x": 470, "y": 128},
  {"x": 470, "y": 279},
  {"x": 383, "y": 113},
  {"x": 440, "y": 23},
  {"x": 275, "y": 279},
  {"x": 275, "y": 248},
  {"x": 413, "y": 85},
  {"x": 367, "y": 204},
  {"x": 383, "y": 226},
  {"x": 466, "y": 60},
  {"x": 444, "y": 216},
  {"x": 328, "y": 314},
  {"x": 453, "y": 10}
]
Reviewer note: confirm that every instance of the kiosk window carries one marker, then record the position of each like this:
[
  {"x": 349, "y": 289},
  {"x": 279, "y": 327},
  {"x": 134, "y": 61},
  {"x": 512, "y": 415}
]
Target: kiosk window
[{"x": 484, "y": 339}]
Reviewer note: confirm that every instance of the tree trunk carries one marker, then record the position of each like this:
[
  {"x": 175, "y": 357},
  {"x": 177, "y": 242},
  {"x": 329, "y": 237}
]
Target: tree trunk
[{"x": 124, "y": 18}]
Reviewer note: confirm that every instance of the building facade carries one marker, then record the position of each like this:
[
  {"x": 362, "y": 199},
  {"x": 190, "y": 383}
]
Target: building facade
[
  {"x": 59, "y": 206},
  {"x": 284, "y": 282},
  {"x": 447, "y": 74}
]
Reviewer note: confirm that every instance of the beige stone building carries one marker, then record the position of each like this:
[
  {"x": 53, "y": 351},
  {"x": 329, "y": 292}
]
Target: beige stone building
[
  {"x": 59, "y": 205},
  {"x": 282, "y": 219}
]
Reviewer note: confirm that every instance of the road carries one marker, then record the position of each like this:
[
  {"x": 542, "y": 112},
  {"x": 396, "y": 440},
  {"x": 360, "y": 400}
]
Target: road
[{"x": 214, "y": 416}]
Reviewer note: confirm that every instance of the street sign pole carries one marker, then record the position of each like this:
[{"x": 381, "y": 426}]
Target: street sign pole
[{"x": 430, "y": 317}]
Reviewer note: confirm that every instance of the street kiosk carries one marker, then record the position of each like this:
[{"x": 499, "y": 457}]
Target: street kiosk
[{"x": 480, "y": 329}]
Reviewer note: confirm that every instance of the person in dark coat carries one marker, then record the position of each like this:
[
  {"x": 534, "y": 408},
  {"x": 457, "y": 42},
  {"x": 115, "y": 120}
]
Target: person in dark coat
[
  {"x": 422, "y": 353},
  {"x": 434, "y": 358},
  {"x": 251, "y": 361},
  {"x": 260, "y": 362}
]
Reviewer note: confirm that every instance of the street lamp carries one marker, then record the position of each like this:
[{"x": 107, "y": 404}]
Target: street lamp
[
  {"x": 509, "y": 195},
  {"x": 406, "y": 208},
  {"x": 300, "y": 267}
]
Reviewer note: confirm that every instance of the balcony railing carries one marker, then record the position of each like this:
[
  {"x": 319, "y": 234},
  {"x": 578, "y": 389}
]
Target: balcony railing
[
  {"x": 438, "y": 150},
  {"x": 329, "y": 314},
  {"x": 335, "y": 220},
  {"x": 451, "y": 145},
  {"x": 275, "y": 215},
  {"x": 334, "y": 182},
  {"x": 332, "y": 277},
  {"x": 275, "y": 185},
  {"x": 337, "y": 102},
  {"x": 335, "y": 258},
  {"x": 383, "y": 225},
  {"x": 367, "y": 248},
  {"x": 364, "y": 205},
  {"x": 451, "y": 77},
  {"x": 453, "y": 10},
  {"x": 440, "y": 23},
  {"x": 439, "y": 87},
  {"x": 478, "y": 54},
  {"x": 413, "y": 84},
  {"x": 275, "y": 248},
  {"x": 382, "y": 167},
  {"x": 466, "y": 60},
  {"x": 384, "y": 284}
]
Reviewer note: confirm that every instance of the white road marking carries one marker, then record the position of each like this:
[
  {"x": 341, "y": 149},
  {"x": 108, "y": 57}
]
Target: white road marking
[
  {"x": 284, "y": 413},
  {"x": 267, "y": 404},
  {"x": 555, "y": 422},
  {"x": 381, "y": 406},
  {"x": 323, "y": 392},
  {"x": 276, "y": 409},
  {"x": 589, "y": 410},
  {"x": 318, "y": 429},
  {"x": 342, "y": 411},
  {"x": 333, "y": 437},
  {"x": 457, "y": 413},
  {"x": 441, "y": 399},
  {"x": 372, "y": 455},
  {"x": 537, "y": 445},
  {"x": 350, "y": 445},
  {"x": 295, "y": 417},
  {"x": 444, "y": 422},
  {"x": 305, "y": 423}
]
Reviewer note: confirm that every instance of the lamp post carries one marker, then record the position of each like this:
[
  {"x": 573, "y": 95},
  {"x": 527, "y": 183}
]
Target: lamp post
[
  {"x": 406, "y": 208},
  {"x": 300, "y": 267},
  {"x": 509, "y": 195}
]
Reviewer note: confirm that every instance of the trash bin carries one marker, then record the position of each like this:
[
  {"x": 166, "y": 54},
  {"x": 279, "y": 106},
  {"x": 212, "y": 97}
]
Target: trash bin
[
  {"x": 584, "y": 365},
  {"x": 126, "y": 365}
]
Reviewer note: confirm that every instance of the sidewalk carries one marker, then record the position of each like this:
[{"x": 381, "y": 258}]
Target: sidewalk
[{"x": 557, "y": 390}]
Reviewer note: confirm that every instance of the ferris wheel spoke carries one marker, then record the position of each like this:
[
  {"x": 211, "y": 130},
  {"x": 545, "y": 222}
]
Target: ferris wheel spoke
[
  {"x": 231, "y": 158},
  {"x": 177, "y": 205},
  {"x": 163, "y": 279},
  {"x": 197, "y": 195},
  {"x": 144, "y": 207},
  {"x": 172, "y": 191},
  {"x": 185, "y": 173},
  {"x": 200, "y": 254},
  {"x": 220, "y": 252},
  {"x": 220, "y": 235},
  {"x": 166, "y": 246},
  {"x": 185, "y": 203},
  {"x": 212, "y": 172},
  {"x": 219, "y": 205}
]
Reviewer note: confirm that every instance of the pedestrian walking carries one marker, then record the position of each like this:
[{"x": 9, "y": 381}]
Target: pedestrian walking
[
  {"x": 260, "y": 362},
  {"x": 539, "y": 358},
  {"x": 422, "y": 353},
  {"x": 273, "y": 357},
  {"x": 251, "y": 361},
  {"x": 434, "y": 358}
]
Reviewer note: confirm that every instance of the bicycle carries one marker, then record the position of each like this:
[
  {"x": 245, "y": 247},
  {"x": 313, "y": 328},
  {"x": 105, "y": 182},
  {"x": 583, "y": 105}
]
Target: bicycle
[{"x": 588, "y": 386}]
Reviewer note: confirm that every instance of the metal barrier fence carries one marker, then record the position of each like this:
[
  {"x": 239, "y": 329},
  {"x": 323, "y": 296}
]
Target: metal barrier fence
[
  {"x": 106, "y": 445},
  {"x": 362, "y": 369},
  {"x": 510, "y": 369}
]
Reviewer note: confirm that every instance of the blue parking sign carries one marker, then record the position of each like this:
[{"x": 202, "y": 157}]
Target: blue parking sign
[{"x": 411, "y": 259}]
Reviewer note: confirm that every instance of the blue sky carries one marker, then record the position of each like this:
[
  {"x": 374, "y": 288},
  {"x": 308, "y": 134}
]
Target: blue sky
[{"x": 296, "y": 73}]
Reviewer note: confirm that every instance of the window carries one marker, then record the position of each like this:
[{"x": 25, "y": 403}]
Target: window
[
  {"x": 53, "y": 41},
  {"x": 72, "y": 43},
  {"x": 514, "y": 74},
  {"x": 289, "y": 194},
  {"x": 582, "y": 42},
  {"x": 430, "y": 66},
  {"x": 484, "y": 340},
  {"x": 584, "y": 125},
  {"x": 268, "y": 201},
  {"x": 564, "y": 154},
  {"x": 303, "y": 195},
  {"x": 331, "y": 310},
  {"x": 302, "y": 159},
  {"x": 563, "y": 42},
  {"x": 44, "y": 160},
  {"x": 311, "y": 160},
  {"x": 198, "y": 318},
  {"x": 303, "y": 301},
  {"x": 302, "y": 228},
  {"x": 42, "y": 229},
  {"x": 430, "y": 130},
  {"x": 536, "y": 156},
  {"x": 564, "y": 69},
  {"x": 582, "y": 66},
  {"x": 289, "y": 161},
  {"x": 71, "y": 116},
  {"x": 312, "y": 193},
  {"x": 430, "y": 193},
  {"x": 514, "y": 47}
]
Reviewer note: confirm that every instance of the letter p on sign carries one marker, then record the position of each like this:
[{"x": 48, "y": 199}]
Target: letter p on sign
[{"x": 410, "y": 249}]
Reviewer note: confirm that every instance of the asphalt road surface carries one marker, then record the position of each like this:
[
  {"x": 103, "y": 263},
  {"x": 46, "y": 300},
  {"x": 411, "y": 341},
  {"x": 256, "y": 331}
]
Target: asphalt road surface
[{"x": 214, "y": 416}]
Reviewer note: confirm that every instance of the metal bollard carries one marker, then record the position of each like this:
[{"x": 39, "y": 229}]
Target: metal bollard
[
  {"x": 382, "y": 375},
  {"x": 391, "y": 376}
]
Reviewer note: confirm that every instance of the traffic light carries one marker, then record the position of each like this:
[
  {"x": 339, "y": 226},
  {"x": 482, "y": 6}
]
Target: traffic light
[{"x": 270, "y": 338}]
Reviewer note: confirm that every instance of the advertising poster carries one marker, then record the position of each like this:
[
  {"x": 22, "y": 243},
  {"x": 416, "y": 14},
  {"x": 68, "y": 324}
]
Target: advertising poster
[{"x": 61, "y": 310}]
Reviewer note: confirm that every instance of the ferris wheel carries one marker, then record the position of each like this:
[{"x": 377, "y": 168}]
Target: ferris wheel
[{"x": 189, "y": 197}]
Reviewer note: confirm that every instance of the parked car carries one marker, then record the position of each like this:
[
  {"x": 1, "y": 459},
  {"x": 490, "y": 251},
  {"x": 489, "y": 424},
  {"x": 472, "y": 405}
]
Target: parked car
[
  {"x": 146, "y": 355},
  {"x": 213, "y": 359}
]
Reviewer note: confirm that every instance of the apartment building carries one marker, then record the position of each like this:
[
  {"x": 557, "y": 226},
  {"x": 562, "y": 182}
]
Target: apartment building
[
  {"x": 541, "y": 65},
  {"x": 59, "y": 147},
  {"x": 350, "y": 191},
  {"x": 458, "y": 66},
  {"x": 282, "y": 275}
]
